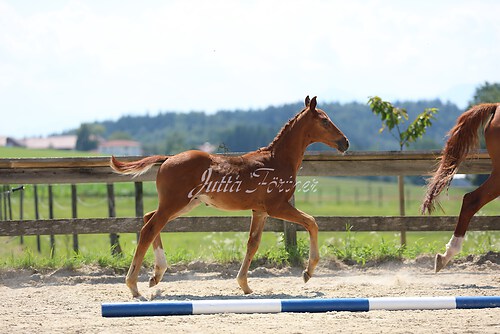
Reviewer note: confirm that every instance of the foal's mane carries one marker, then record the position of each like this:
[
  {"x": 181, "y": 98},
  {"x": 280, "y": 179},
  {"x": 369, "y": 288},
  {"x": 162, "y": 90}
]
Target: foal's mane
[{"x": 286, "y": 128}]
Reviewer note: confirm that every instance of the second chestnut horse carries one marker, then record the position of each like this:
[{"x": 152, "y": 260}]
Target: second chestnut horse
[
  {"x": 463, "y": 138},
  {"x": 262, "y": 181}
]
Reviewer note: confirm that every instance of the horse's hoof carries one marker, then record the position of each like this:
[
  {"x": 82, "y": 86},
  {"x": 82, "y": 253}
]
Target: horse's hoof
[
  {"x": 140, "y": 298},
  {"x": 439, "y": 263},
  {"x": 246, "y": 289},
  {"x": 306, "y": 276},
  {"x": 152, "y": 281}
]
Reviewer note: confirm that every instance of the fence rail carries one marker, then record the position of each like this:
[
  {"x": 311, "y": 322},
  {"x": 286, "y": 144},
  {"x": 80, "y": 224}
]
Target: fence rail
[
  {"x": 96, "y": 170},
  {"x": 242, "y": 224}
]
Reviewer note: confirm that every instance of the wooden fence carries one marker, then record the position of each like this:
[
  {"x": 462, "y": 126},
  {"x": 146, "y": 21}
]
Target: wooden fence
[{"x": 96, "y": 170}]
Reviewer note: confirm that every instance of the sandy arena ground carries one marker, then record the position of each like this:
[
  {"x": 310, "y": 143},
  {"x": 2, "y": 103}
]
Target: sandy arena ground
[{"x": 69, "y": 301}]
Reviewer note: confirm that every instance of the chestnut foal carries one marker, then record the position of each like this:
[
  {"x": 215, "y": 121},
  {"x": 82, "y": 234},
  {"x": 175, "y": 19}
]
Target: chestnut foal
[
  {"x": 262, "y": 181},
  {"x": 463, "y": 138}
]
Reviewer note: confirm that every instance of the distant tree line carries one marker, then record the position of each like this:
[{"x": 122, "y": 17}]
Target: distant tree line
[
  {"x": 171, "y": 132},
  {"x": 243, "y": 131}
]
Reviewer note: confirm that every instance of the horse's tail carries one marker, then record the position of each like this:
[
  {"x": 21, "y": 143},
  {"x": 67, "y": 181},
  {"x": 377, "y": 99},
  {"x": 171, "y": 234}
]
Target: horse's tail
[
  {"x": 463, "y": 138},
  {"x": 135, "y": 168}
]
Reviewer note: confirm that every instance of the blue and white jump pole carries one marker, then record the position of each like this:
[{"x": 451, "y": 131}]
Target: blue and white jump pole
[{"x": 138, "y": 309}]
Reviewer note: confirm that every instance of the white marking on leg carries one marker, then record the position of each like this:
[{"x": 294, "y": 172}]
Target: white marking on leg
[
  {"x": 160, "y": 259},
  {"x": 453, "y": 247}
]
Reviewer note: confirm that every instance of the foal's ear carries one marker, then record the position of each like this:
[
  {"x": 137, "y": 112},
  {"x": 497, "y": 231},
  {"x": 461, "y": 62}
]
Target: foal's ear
[
  {"x": 307, "y": 101},
  {"x": 312, "y": 104}
]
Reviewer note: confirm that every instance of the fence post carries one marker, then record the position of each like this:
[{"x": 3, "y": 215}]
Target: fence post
[
  {"x": 113, "y": 237},
  {"x": 21, "y": 211},
  {"x": 37, "y": 216},
  {"x": 4, "y": 201},
  {"x": 9, "y": 202},
  {"x": 401, "y": 186},
  {"x": 74, "y": 214},
  {"x": 139, "y": 201},
  {"x": 51, "y": 216}
]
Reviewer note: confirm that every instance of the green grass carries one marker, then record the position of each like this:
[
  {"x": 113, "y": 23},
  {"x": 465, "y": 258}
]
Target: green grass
[
  {"x": 20, "y": 152},
  {"x": 351, "y": 247}
]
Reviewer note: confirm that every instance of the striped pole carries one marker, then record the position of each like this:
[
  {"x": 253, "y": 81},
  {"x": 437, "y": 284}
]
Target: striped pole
[{"x": 138, "y": 309}]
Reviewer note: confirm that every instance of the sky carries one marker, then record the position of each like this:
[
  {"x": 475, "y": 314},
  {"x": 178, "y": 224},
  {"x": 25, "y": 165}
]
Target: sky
[{"x": 63, "y": 63}]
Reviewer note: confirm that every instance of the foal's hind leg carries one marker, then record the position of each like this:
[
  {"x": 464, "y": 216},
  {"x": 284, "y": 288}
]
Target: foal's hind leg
[
  {"x": 472, "y": 203},
  {"x": 256, "y": 228},
  {"x": 149, "y": 232},
  {"x": 160, "y": 259},
  {"x": 159, "y": 254}
]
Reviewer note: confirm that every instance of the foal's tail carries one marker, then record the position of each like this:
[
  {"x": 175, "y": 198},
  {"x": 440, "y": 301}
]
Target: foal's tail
[
  {"x": 135, "y": 168},
  {"x": 463, "y": 138}
]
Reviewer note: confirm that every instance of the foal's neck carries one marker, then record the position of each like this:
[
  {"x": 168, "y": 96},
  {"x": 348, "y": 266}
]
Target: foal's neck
[{"x": 291, "y": 145}]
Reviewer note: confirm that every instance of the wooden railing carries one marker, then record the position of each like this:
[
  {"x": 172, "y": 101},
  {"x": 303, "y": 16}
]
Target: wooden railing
[{"x": 96, "y": 170}]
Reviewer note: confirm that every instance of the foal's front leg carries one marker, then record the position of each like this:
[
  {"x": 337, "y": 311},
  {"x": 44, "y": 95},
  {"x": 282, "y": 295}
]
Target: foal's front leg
[
  {"x": 287, "y": 212},
  {"x": 256, "y": 228}
]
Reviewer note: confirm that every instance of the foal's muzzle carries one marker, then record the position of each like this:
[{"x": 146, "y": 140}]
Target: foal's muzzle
[{"x": 343, "y": 144}]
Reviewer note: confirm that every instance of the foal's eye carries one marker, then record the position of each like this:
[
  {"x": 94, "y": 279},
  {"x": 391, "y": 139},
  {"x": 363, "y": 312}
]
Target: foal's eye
[{"x": 325, "y": 122}]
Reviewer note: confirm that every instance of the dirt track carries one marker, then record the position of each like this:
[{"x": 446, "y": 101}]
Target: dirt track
[{"x": 69, "y": 301}]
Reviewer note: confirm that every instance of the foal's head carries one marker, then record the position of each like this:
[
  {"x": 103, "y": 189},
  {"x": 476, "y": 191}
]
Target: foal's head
[{"x": 321, "y": 128}]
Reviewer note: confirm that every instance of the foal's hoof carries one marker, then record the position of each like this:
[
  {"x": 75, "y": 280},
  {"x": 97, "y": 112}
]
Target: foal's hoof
[
  {"x": 439, "y": 263},
  {"x": 153, "y": 281},
  {"x": 242, "y": 282},
  {"x": 140, "y": 298},
  {"x": 306, "y": 276}
]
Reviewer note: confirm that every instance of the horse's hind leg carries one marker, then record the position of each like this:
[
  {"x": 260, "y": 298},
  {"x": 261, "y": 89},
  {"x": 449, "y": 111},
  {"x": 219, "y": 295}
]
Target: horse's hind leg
[
  {"x": 159, "y": 254},
  {"x": 256, "y": 228},
  {"x": 472, "y": 203},
  {"x": 149, "y": 232},
  {"x": 161, "y": 264}
]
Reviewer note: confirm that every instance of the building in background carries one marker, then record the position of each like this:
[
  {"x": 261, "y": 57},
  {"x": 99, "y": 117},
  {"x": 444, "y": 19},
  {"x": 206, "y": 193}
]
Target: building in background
[
  {"x": 52, "y": 142},
  {"x": 10, "y": 142}
]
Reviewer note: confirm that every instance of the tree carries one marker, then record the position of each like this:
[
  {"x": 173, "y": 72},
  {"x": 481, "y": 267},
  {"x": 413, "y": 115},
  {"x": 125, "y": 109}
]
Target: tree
[
  {"x": 84, "y": 141},
  {"x": 392, "y": 117},
  {"x": 487, "y": 93},
  {"x": 175, "y": 142},
  {"x": 117, "y": 135}
]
